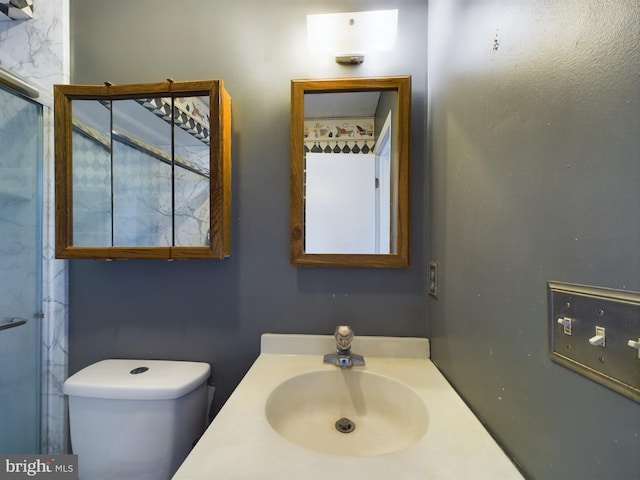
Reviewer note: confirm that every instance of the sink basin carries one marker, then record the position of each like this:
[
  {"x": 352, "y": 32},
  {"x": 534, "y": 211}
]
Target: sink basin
[
  {"x": 410, "y": 424},
  {"x": 347, "y": 412}
]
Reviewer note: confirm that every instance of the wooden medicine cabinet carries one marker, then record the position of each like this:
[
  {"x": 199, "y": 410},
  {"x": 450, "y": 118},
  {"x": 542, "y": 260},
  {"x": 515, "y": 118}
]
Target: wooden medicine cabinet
[
  {"x": 350, "y": 155},
  {"x": 143, "y": 171}
]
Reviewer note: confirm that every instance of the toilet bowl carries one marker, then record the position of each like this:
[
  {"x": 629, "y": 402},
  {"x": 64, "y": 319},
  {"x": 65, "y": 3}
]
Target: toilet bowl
[{"x": 136, "y": 419}]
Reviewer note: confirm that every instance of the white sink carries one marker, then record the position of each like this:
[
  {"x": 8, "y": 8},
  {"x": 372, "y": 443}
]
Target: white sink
[
  {"x": 409, "y": 423},
  {"x": 347, "y": 412}
]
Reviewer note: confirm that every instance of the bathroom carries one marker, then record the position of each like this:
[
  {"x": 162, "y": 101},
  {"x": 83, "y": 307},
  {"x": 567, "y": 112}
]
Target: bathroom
[{"x": 524, "y": 170}]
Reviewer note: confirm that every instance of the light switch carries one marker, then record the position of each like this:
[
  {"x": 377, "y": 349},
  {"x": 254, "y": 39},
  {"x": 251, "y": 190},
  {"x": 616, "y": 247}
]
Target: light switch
[
  {"x": 566, "y": 323},
  {"x": 598, "y": 340},
  {"x": 592, "y": 331}
]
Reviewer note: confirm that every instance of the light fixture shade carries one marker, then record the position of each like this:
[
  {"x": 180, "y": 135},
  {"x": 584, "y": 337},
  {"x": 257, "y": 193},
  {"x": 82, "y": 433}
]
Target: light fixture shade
[{"x": 353, "y": 32}]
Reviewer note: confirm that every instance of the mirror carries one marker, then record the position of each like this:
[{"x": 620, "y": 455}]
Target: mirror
[
  {"x": 143, "y": 171},
  {"x": 350, "y": 155}
]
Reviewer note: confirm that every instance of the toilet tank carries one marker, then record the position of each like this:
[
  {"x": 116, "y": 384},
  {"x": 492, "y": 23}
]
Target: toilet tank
[{"x": 136, "y": 419}]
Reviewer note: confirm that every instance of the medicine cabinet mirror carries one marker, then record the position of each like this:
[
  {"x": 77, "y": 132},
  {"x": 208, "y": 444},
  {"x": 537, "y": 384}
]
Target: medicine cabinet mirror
[
  {"x": 143, "y": 171},
  {"x": 350, "y": 155}
]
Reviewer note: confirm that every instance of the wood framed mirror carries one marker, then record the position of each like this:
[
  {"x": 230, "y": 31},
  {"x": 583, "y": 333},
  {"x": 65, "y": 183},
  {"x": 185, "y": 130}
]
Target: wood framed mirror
[
  {"x": 143, "y": 171},
  {"x": 350, "y": 162}
]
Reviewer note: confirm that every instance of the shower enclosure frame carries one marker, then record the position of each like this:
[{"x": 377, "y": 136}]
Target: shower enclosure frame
[
  {"x": 54, "y": 287},
  {"x": 22, "y": 270}
]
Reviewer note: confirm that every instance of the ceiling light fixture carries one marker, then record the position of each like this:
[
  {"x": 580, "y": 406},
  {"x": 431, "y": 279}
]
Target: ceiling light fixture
[{"x": 349, "y": 36}]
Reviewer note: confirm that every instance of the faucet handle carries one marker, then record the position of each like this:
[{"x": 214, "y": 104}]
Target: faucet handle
[{"x": 343, "y": 335}]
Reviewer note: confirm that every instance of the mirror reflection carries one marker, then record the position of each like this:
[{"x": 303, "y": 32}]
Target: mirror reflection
[
  {"x": 350, "y": 174},
  {"x": 134, "y": 171},
  {"x": 351, "y": 165},
  {"x": 139, "y": 179}
]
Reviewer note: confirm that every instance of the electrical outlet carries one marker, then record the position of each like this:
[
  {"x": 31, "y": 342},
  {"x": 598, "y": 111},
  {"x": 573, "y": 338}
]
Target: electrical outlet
[{"x": 433, "y": 279}]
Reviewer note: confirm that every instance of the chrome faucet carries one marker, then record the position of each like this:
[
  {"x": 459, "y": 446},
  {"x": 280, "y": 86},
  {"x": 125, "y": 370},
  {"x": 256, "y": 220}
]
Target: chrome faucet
[{"x": 343, "y": 356}]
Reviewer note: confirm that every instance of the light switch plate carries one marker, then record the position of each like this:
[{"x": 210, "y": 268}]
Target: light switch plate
[{"x": 593, "y": 311}]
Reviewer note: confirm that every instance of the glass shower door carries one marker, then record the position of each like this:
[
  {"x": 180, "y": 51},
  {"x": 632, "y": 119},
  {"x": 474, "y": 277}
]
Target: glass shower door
[{"x": 20, "y": 273}]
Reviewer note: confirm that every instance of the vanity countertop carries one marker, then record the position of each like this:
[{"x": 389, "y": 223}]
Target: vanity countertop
[{"x": 241, "y": 445}]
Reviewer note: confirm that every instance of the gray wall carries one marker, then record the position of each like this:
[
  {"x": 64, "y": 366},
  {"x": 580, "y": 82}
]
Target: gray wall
[
  {"x": 215, "y": 311},
  {"x": 534, "y": 142}
]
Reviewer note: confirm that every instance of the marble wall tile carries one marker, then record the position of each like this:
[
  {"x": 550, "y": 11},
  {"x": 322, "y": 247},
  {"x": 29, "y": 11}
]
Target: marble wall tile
[{"x": 38, "y": 50}]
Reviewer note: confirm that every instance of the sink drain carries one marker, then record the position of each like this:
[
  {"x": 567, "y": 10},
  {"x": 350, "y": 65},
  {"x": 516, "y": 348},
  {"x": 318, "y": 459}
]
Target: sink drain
[{"x": 344, "y": 425}]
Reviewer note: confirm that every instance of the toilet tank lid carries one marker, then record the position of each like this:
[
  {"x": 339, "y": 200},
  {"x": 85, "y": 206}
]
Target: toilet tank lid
[{"x": 137, "y": 379}]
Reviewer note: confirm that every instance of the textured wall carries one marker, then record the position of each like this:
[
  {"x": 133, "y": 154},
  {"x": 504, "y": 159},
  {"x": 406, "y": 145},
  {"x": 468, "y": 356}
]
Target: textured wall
[
  {"x": 215, "y": 311},
  {"x": 534, "y": 141}
]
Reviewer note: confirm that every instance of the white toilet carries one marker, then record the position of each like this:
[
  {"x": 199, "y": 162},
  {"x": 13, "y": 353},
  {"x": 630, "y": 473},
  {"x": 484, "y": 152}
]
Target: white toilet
[{"x": 136, "y": 419}]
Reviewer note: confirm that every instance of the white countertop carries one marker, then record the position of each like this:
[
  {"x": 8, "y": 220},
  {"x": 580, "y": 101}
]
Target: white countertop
[{"x": 240, "y": 443}]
